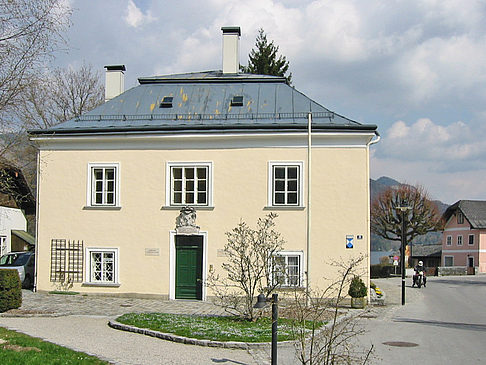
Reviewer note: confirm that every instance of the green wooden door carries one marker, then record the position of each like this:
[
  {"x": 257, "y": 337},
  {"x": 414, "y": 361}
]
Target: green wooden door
[{"x": 189, "y": 267}]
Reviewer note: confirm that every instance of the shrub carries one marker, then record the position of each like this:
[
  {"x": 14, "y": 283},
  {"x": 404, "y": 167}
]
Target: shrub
[
  {"x": 357, "y": 289},
  {"x": 10, "y": 290},
  {"x": 381, "y": 271}
]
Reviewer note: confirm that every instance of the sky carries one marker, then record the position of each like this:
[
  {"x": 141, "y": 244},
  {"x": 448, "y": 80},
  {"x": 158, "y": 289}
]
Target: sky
[{"x": 416, "y": 69}]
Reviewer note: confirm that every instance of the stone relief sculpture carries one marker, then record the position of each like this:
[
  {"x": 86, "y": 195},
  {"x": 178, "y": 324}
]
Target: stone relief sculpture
[{"x": 186, "y": 221}]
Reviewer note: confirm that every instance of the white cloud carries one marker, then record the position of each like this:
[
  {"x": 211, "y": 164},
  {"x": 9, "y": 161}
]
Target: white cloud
[
  {"x": 447, "y": 187},
  {"x": 450, "y": 160},
  {"x": 424, "y": 140},
  {"x": 135, "y": 17}
]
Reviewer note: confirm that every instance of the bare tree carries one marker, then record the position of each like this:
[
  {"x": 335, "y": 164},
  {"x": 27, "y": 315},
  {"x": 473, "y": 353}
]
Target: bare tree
[
  {"x": 335, "y": 342},
  {"x": 30, "y": 31},
  {"x": 423, "y": 217},
  {"x": 249, "y": 267},
  {"x": 50, "y": 98},
  {"x": 55, "y": 97}
]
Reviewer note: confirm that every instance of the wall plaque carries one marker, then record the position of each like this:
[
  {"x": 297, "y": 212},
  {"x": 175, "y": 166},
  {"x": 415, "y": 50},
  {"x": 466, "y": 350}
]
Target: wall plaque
[
  {"x": 152, "y": 252},
  {"x": 221, "y": 253}
]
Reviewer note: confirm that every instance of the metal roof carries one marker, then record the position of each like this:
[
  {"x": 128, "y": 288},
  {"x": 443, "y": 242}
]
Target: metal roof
[
  {"x": 202, "y": 101},
  {"x": 473, "y": 210}
]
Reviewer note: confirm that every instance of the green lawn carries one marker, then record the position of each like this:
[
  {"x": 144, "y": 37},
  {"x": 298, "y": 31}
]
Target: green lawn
[
  {"x": 25, "y": 350},
  {"x": 212, "y": 328}
]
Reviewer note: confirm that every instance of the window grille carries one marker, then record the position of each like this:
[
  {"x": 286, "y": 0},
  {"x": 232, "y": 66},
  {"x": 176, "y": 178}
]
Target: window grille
[
  {"x": 190, "y": 185},
  {"x": 286, "y": 185},
  {"x": 286, "y": 269},
  {"x": 66, "y": 260}
]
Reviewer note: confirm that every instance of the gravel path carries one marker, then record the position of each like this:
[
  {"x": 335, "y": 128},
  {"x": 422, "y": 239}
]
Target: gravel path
[{"x": 92, "y": 335}]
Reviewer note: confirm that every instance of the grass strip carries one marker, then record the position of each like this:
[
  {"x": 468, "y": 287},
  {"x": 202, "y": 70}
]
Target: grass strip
[
  {"x": 17, "y": 348},
  {"x": 212, "y": 327}
]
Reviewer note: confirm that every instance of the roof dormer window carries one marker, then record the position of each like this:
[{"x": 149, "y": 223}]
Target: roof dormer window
[
  {"x": 237, "y": 100},
  {"x": 460, "y": 218},
  {"x": 166, "y": 102}
]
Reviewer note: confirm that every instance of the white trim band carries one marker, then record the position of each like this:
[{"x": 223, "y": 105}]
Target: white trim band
[{"x": 463, "y": 251}]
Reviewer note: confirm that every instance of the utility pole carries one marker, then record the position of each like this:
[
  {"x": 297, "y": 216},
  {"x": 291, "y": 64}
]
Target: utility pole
[{"x": 403, "y": 210}]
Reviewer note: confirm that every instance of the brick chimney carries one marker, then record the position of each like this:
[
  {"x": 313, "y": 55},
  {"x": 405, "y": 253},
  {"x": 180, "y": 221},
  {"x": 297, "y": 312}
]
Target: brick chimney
[
  {"x": 231, "y": 50},
  {"x": 114, "y": 81}
]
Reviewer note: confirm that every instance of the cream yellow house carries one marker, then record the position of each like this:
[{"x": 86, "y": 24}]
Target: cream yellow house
[{"x": 136, "y": 195}]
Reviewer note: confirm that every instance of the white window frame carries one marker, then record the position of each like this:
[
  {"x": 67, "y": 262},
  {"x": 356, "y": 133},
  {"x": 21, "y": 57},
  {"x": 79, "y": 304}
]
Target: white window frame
[
  {"x": 449, "y": 241},
  {"x": 169, "y": 183},
  {"x": 460, "y": 240},
  {"x": 88, "y": 274},
  {"x": 448, "y": 257},
  {"x": 90, "y": 190},
  {"x": 287, "y": 254},
  {"x": 3, "y": 245},
  {"x": 460, "y": 218},
  {"x": 469, "y": 240},
  {"x": 271, "y": 181}
]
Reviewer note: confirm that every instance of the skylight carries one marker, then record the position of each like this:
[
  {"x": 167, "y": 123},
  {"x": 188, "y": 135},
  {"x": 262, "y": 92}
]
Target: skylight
[
  {"x": 166, "y": 102},
  {"x": 237, "y": 100}
]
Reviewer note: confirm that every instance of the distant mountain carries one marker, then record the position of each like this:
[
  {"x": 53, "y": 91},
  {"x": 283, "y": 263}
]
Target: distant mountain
[
  {"x": 380, "y": 244},
  {"x": 383, "y": 183},
  {"x": 387, "y": 181}
]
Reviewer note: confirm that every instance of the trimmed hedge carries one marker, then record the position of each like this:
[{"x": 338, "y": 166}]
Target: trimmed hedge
[
  {"x": 381, "y": 271},
  {"x": 10, "y": 290}
]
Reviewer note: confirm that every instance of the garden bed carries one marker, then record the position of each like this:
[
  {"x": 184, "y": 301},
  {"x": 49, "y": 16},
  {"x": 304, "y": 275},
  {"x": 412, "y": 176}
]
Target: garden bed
[{"x": 214, "y": 328}]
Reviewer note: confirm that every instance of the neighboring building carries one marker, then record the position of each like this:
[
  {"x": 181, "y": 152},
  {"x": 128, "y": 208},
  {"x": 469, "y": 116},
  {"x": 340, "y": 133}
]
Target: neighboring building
[
  {"x": 430, "y": 255},
  {"x": 118, "y": 185},
  {"x": 464, "y": 238},
  {"x": 17, "y": 209},
  {"x": 11, "y": 219}
]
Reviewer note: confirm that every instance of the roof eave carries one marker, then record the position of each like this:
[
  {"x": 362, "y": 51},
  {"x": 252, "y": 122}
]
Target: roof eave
[{"x": 210, "y": 128}]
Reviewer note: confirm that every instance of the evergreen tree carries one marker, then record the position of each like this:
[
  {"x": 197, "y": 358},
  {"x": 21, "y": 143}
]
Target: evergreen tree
[{"x": 264, "y": 59}]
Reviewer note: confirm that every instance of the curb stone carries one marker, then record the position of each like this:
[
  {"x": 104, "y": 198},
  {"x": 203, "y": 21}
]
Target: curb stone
[
  {"x": 224, "y": 344},
  {"x": 193, "y": 341}
]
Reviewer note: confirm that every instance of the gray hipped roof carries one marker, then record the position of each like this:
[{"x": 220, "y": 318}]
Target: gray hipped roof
[
  {"x": 203, "y": 101},
  {"x": 473, "y": 210}
]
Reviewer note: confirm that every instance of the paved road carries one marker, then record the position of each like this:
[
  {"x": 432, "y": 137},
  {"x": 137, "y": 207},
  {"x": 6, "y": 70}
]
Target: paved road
[{"x": 447, "y": 320}]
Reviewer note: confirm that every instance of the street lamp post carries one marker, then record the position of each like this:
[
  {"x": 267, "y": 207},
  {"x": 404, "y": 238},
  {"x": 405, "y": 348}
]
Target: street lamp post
[
  {"x": 403, "y": 210},
  {"x": 262, "y": 302}
]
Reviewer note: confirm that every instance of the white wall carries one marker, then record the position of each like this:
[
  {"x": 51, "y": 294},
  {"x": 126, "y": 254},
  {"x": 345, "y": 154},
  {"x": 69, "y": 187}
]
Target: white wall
[{"x": 10, "y": 218}]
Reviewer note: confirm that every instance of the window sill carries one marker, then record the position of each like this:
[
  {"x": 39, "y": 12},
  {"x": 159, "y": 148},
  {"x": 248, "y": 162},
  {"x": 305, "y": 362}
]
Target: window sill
[
  {"x": 112, "y": 285},
  {"x": 290, "y": 288},
  {"x": 101, "y": 207},
  {"x": 283, "y": 207},
  {"x": 179, "y": 207}
]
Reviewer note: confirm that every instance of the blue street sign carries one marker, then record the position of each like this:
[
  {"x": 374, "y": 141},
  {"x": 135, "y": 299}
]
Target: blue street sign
[{"x": 349, "y": 241}]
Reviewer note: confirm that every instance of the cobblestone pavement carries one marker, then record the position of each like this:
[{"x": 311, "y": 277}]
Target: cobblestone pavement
[{"x": 59, "y": 304}]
